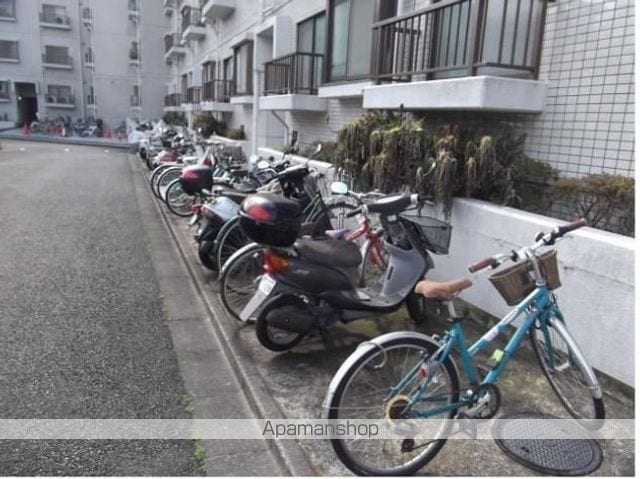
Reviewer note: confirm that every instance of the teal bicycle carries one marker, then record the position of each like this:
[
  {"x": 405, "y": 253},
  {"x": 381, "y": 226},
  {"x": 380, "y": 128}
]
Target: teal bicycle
[{"x": 405, "y": 375}]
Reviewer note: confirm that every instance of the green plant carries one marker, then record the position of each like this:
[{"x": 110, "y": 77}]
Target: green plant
[
  {"x": 199, "y": 454},
  {"x": 209, "y": 125},
  {"x": 236, "y": 133},
  {"x": 603, "y": 200},
  {"x": 174, "y": 118},
  {"x": 327, "y": 151}
]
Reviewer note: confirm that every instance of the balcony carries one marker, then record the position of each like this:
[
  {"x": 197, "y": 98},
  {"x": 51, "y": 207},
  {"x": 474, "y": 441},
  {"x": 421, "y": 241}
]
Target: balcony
[
  {"x": 59, "y": 21},
  {"x": 217, "y": 9},
  {"x": 216, "y": 95},
  {"x": 57, "y": 62},
  {"x": 9, "y": 52},
  {"x": 134, "y": 58},
  {"x": 60, "y": 101},
  {"x": 8, "y": 12},
  {"x": 173, "y": 49},
  {"x": 134, "y": 11},
  {"x": 87, "y": 18},
  {"x": 192, "y": 26},
  {"x": 460, "y": 55},
  {"x": 194, "y": 95},
  {"x": 168, "y": 6},
  {"x": 291, "y": 83},
  {"x": 172, "y": 101}
]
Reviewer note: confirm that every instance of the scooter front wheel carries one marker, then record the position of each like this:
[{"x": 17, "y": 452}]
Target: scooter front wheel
[{"x": 277, "y": 339}]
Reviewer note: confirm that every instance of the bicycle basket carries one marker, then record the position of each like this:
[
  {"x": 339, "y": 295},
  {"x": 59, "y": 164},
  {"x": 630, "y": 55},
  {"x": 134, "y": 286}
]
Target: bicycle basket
[
  {"x": 434, "y": 234},
  {"x": 516, "y": 282}
]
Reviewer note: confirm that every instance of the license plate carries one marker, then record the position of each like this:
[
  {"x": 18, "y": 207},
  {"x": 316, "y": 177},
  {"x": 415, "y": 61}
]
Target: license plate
[
  {"x": 265, "y": 287},
  {"x": 194, "y": 220}
]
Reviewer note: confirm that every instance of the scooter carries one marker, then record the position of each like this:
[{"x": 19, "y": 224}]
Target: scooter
[{"x": 309, "y": 285}]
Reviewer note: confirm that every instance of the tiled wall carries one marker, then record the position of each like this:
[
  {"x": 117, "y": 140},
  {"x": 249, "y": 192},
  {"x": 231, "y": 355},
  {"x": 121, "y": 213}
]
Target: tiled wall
[{"x": 588, "y": 59}]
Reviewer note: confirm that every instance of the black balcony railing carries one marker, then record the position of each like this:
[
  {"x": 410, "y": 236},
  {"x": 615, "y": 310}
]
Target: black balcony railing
[
  {"x": 194, "y": 93},
  {"x": 173, "y": 99},
  {"x": 460, "y": 38},
  {"x": 171, "y": 40},
  {"x": 62, "y": 60},
  {"x": 55, "y": 18},
  {"x": 293, "y": 73},
  {"x": 218, "y": 90},
  {"x": 191, "y": 17}
]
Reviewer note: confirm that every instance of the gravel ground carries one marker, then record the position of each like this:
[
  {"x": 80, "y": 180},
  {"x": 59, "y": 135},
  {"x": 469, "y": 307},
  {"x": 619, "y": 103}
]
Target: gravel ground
[{"x": 82, "y": 333}]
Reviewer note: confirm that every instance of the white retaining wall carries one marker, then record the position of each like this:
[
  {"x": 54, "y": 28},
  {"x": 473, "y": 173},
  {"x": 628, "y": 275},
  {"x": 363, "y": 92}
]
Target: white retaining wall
[{"x": 596, "y": 270}]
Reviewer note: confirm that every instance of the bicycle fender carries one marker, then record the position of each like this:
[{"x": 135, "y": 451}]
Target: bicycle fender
[{"x": 363, "y": 349}]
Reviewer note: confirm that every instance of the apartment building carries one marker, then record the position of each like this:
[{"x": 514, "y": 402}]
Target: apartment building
[
  {"x": 560, "y": 70},
  {"x": 81, "y": 58}
]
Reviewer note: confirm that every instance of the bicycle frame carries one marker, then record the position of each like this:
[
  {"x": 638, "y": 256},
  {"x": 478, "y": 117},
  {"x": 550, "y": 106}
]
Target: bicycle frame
[{"x": 536, "y": 306}]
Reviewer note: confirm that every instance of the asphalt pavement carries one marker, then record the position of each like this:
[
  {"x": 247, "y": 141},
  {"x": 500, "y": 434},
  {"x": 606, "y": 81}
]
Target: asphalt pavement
[{"x": 82, "y": 328}]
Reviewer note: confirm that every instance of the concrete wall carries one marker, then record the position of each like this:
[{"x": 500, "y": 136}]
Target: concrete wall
[{"x": 596, "y": 271}]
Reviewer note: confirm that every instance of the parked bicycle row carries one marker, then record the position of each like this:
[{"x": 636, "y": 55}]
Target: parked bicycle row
[{"x": 295, "y": 262}]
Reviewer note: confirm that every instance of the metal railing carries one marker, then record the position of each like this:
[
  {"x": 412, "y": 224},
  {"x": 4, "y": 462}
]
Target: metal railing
[
  {"x": 194, "y": 94},
  {"x": 173, "y": 99},
  {"x": 63, "y": 60},
  {"x": 61, "y": 99},
  {"x": 55, "y": 18},
  {"x": 294, "y": 73},
  {"x": 191, "y": 16},
  {"x": 171, "y": 40},
  {"x": 218, "y": 90},
  {"x": 460, "y": 38}
]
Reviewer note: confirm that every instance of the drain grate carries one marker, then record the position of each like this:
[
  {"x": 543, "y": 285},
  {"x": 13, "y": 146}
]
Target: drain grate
[{"x": 562, "y": 457}]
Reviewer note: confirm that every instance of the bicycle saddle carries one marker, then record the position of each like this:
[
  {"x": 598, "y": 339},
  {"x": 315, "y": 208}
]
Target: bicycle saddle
[{"x": 443, "y": 290}]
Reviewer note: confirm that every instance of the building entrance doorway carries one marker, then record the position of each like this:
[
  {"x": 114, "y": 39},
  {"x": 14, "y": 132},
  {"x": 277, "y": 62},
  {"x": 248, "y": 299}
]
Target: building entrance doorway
[{"x": 27, "y": 99}]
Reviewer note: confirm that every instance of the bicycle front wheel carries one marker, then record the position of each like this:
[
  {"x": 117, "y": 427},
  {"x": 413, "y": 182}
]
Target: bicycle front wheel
[
  {"x": 568, "y": 373},
  {"x": 230, "y": 240},
  {"x": 365, "y": 392},
  {"x": 178, "y": 202}
]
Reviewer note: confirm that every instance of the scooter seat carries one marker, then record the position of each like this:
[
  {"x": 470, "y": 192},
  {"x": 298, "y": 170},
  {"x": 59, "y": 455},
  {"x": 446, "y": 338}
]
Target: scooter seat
[{"x": 340, "y": 253}]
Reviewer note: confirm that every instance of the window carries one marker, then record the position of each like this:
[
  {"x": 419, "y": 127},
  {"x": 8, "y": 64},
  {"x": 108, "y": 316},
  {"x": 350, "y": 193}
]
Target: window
[
  {"x": 208, "y": 71},
  {"x": 242, "y": 68},
  {"x": 8, "y": 50},
  {"x": 350, "y": 36},
  {"x": 7, "y": 9},
  {"x": 91, "y": 98},
  {"x": 58, "y": 55},
  {"x": 59, "y": 94},
  {"x": 4, "y": 90},
  {"x": 88, "y": 55},
  {"x": 86, "y": 13},
  {"x": 311, "y": 34},
  {"x": 184, "y": 85},
  {"x": 135, "y": 97},
  {"x": 227, "y": 72},
  {"x": 54, "y": 14}
]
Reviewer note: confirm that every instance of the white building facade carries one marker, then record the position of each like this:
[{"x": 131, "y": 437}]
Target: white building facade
[
  {"x": 81, "y": 59},
  {"x": 560, "y": 70}
]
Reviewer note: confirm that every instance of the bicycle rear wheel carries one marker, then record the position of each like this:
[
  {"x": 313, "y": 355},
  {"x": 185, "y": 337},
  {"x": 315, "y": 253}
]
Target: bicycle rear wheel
[
  {"x": 564, "y": 366},
  {"x": 364, "y": 392},
  {"x": 164, "y": 179},
  {"x": 239, "y": 280}
]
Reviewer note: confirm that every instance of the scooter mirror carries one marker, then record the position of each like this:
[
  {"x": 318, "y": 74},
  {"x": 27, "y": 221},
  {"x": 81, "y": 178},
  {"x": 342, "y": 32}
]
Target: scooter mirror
[
  {"x": 339, "y": 188},
  {"x": 318, "y": 149},
  {"x": 263, "y": 164}
]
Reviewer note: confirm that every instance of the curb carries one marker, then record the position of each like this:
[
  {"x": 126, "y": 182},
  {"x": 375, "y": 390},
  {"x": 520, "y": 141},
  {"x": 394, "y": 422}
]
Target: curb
[
  {"x": 65, "y": 141},
  {"x": 255, "y": 389}
]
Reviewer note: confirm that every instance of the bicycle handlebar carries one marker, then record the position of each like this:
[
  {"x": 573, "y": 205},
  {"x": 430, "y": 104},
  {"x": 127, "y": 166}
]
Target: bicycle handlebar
[{"x": 547, "y": 239}]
